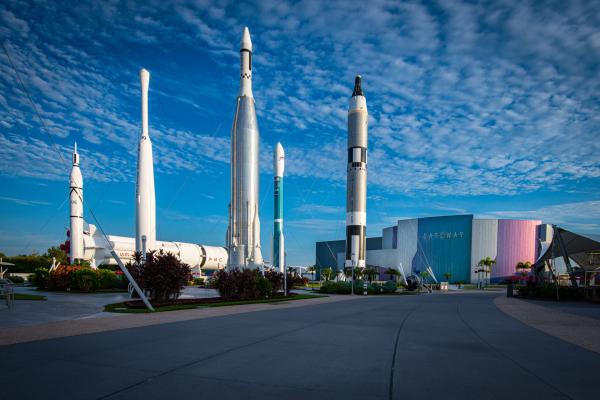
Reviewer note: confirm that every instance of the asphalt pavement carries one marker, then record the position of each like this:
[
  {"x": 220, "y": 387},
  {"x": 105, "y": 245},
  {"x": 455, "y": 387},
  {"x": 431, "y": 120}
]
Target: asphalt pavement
[{"x": 446, "y": 346}]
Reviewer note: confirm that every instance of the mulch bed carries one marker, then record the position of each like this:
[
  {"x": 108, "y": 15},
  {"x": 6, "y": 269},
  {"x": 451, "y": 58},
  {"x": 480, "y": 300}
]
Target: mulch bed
[{"x": 199, "y": 302}]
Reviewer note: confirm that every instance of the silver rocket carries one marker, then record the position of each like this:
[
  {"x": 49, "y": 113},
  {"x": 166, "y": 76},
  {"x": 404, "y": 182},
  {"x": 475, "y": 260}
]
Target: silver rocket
[
  {"x": 145, "y": 217},
  {"x": 76, "y": 210},
  {"x": 243, "y": 233},
  {"x": 278, "y": 239},
  {"x": 356, "y": 195}
]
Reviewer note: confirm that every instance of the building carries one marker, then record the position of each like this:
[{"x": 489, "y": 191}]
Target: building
[{"x": 448, "y": 244}]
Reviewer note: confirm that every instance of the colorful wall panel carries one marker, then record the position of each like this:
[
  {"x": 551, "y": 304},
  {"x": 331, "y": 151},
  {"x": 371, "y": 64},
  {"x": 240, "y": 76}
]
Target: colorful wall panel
[
  {"x": 444, "y": 243},
  {"x": 516, "y": 242}
]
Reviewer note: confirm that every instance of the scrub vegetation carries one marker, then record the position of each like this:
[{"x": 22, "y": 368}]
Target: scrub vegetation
[
  {"x": 125, "y": 307},
  {"x": 78, "y": 278}
]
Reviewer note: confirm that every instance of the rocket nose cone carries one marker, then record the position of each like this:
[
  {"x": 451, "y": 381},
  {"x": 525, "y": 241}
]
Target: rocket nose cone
[
  {"x": 279, "y": 160},
  {"x": 246, "y": 43},
  {"x": 357, "y": 86}
]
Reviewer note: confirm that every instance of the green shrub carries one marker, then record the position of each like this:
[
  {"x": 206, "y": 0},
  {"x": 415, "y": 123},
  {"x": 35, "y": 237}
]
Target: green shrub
[
  {"x": 109, "y": 267},
  {"x": 374, "y": 289},
  {"x": 389, "y": 287},
  {"x": 548, "y": 291},
  {"x": 243, "y": 284},
  {"x": 106, "y": 279},
  {"x": 84, "y": 280},
  {"x": 264, "y": 287},
  {"x": 16, "y": 279},
  {"x": 40, "y": 277},
  {"x": 60, "y": 277},
  {"x": 198, "y": 281}
]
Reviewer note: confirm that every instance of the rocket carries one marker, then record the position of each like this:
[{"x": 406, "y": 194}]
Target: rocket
[
  {"x": 243, "y": 233},
  {"x": 145, "y": 216},
  {"x": 76, "y": 210},
  {"x": 356, "y": 194},
  {"x": 278, "y": 239}
]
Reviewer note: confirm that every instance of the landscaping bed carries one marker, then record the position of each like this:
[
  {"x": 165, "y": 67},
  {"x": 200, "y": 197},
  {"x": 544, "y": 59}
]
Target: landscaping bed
[
  {"x": 137, "y": 306},
  {"x": 26, "y": 296}
]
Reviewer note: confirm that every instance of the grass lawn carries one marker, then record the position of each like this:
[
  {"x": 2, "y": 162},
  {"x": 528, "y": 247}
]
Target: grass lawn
[
  {"x": 23, "y": 296},
  {"x": 122, "y": 308}
]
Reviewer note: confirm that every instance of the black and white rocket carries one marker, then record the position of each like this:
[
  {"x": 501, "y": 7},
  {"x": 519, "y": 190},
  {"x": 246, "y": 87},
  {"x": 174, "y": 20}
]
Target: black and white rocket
[
  {"x": 356, "y": 195},
  {"x": 145, "y": 198},
  {"x": 76, "y": 210},
  {"x": 243, "y": 233}
]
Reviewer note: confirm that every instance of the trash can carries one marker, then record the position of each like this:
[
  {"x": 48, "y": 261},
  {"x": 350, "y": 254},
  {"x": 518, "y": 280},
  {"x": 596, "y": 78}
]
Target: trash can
[{"x": 509, "y": 289}]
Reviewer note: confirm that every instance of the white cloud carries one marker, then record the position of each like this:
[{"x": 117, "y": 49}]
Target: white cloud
[{"x": 25, "y": 202}]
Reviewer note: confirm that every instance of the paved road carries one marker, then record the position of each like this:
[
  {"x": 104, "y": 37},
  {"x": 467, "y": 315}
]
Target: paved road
[
  {"x": 62, "y": 306},
  {"x": 457, "y": 346}
]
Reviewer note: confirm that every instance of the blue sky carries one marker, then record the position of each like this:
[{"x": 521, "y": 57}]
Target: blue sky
[{"x": 489, "y": 108}]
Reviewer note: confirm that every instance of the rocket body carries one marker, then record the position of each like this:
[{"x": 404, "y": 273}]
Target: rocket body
[
  {"x": 278, "y": 239},
  {"x": 356, "y": 195},
  {"x": 243, "y": 234},
  {"x": 76, "y": 210},
  {"x": 145, "y": 218}
]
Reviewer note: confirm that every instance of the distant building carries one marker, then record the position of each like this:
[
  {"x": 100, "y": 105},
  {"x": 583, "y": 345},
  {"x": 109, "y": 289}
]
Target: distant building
[{"x": 453, "y": 244}]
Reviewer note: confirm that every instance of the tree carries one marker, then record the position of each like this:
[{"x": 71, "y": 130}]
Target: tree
[
  {"x": 348, "y": 272},
  {"x": 162, "y": 276},
  {"x": 58, "y": 253},
  {"x": 312, "y": 269},
  {"x": 391, "y": 272},
  {"x": 424, "y": 275},
  {"x": 370, "y": 273},
  {"x": 447, "y": 276},
  {"x": 487, "y": 263},
  {"x": 523, "y": 268},
  {"x": 326, "y": 273}
]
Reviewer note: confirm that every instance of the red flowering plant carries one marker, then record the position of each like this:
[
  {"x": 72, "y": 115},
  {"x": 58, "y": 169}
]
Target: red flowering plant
[{"x": 60, "y": 277}]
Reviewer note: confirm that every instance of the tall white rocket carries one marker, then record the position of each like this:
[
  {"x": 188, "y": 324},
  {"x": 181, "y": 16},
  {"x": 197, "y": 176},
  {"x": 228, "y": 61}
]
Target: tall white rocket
[
  {"x": 278, "y": 239},
  {"x": 76, "y": 210},
  {"x": 243, "y": 233},
  {"x": 356, "y": 195},
  {"x": 145, "y": 217}
]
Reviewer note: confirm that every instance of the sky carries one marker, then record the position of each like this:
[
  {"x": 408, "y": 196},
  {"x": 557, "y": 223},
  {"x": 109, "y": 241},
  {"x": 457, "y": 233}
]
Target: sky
[{"x": 490, "y": 108}]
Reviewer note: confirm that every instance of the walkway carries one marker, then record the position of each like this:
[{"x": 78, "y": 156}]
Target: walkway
[{"x": 458, "y": 346}]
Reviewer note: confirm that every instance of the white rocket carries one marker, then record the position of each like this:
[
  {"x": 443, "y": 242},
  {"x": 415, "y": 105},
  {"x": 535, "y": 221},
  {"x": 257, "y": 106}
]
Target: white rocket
[
  {"x": 278, "y": 239},
  {"x": 145, "y": 218},
  {"x": 76, "y": 210},
  {"x": 243, "y": 233},
  {"x": 356, "y": 200}
]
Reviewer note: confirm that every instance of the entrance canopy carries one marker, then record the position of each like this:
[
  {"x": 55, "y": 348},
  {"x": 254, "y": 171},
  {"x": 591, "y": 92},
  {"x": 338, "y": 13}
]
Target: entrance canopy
[{"x": 582, "y": 249}]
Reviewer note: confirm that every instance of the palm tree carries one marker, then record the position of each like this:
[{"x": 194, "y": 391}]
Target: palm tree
[
  {"x": 348, "y": 272},
  {"x": 370, "y": 273},
  {"x": 326, "y": 273},
  {"x": 523, "y": 267},
  {"x": 391, "y": 272},
  {"x": 487, "y": 263},
  {"x": 312, "y": 269},
  {"x": 447, "y": 276}
]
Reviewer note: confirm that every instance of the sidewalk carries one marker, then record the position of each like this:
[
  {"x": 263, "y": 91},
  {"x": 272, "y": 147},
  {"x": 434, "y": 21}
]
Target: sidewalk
[
  {"x": 124, "y": 321},
  {"x": 579, "y": 330}
]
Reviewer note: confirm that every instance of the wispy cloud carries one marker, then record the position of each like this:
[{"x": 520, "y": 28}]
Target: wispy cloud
[
  {"x": 318, "y": 209},
  {"x": 25, "y": 202}
]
